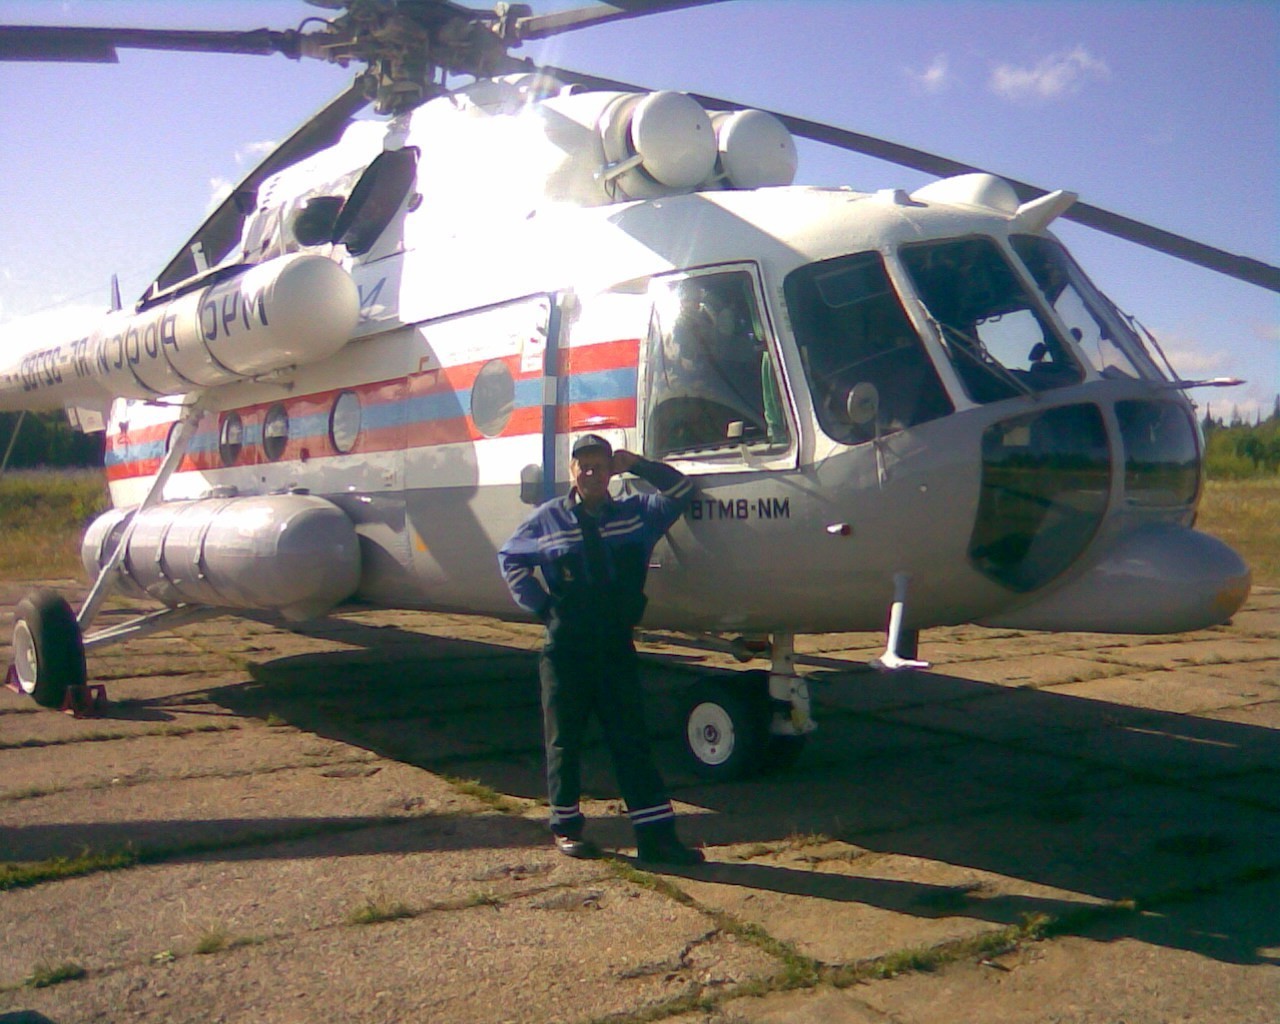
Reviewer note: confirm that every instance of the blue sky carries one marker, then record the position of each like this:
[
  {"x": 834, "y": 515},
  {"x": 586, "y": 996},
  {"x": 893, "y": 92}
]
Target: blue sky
[{"x": 1165, "y": 111}]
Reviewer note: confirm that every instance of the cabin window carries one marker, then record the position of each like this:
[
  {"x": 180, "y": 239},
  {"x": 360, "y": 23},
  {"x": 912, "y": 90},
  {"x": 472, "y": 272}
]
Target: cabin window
[
  {"x": 275, "y": 432},
  {"x": 1161, "y": 454},
  {"x": 994, "y": 334},
  {"x": 1103, "y": 336},
  {"x": 344, "y": 422},
  {"x": 1045, "y": 487},
  {"x": 230, "y": 438},
  {"x": 710, "y": 376},
  {"x": 855, "y": 336},
  {"x": 493, "y": 398}
]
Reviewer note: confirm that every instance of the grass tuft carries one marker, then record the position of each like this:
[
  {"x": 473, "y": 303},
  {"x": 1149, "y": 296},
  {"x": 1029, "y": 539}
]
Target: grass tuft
[
  {"x": 485, "y": 794},
  {"x": 378, "y": 910},
  {"x": 215, "y": 940},
  {"x": 22, "y": 874},
  {"x": 218, "y": 940},
  {"x": 45, "y": 974}
]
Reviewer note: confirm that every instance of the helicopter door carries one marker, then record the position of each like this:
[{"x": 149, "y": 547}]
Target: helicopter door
[{"x": 713, "y": 395}]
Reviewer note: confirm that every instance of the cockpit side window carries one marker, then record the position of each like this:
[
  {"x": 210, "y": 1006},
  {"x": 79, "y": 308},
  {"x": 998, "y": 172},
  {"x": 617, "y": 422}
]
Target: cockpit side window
[
  {"x": 710, "y": 376},
  {"x": 856, "y": 340},
  {"x": 1101, "y": 333},
  {"x": 995, "y": 335}
]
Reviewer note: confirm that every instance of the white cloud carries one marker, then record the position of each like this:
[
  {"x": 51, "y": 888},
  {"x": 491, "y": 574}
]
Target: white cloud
[
  {"x": 219, "y": 189},
  {"x": 1052, "y": 78},
  {"x": 246, "y": 157},
  {"x": 253, "y": 153},
  {"x": 936, "y": 77},
  {"x": 1225, "y": 408},
  {"x": 1192, "y": 358}
]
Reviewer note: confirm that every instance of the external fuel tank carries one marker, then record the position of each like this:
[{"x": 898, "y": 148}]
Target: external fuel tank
[{"x": 295, "y": 554}]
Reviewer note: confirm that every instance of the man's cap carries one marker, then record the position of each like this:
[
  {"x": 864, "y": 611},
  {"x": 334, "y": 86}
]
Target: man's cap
[{"x": 588, "y": 441}]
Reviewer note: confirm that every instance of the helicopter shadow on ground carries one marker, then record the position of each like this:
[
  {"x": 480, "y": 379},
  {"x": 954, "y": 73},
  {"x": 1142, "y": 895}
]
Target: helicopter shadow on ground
[{"x": 1115, "y": 804}]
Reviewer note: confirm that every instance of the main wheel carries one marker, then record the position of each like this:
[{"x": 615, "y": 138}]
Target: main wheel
[
  {"x": 48, "y": 652},
  {"x": 726, "y": 731}
]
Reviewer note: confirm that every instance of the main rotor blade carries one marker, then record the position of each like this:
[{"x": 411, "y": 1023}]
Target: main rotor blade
[
  {"x": 221, "y": 230},
  {"x": 98, "y": 45},
  {"x": 540, "y": 26},
  {"x": 1242, "y": 268}
]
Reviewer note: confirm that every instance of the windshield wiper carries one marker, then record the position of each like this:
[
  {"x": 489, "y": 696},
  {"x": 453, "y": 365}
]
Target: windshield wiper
[{"x": 975, "y": 351}]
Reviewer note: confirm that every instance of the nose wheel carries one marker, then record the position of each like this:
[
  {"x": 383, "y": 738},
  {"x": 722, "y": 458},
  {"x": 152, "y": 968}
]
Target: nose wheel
[{"x": 48, "y": 652}]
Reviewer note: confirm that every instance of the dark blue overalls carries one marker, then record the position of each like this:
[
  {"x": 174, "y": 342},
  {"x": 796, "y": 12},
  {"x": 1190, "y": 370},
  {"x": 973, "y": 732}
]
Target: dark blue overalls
[{"x": 594, "y": 570}]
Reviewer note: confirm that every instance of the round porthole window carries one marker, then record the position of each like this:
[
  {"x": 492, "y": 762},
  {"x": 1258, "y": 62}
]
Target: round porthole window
[
  {"x": 344, "y": 421},
  {"x": 230, "y": 438},
  {"x": 493, "y": 398},
  {"x": 275, "y": 432}
]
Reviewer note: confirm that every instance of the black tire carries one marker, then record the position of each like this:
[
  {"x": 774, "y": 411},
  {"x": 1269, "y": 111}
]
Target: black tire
[
  {"x": 48, "y": 652},
  {"x": 726, "y": 731}
]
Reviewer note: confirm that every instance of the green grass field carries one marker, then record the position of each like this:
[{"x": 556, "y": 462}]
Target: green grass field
[
  {"x": 1246, "y": 514},
  {"x": 44, "y": 512}
]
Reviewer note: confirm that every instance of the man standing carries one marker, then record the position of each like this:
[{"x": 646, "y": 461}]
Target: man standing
[{"x": 593, "y": 553}]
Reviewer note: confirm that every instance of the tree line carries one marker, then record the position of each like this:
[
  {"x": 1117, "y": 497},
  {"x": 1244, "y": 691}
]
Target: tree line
[
  {"x": 47, "y": 439},
  {"x": 1235, "y": 450}
]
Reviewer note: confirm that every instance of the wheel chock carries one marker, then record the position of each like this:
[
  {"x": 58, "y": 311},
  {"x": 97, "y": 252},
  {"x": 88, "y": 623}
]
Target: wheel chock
[
  {"x": 85, "y": 701},
  {"x": 11, "y": 679}
]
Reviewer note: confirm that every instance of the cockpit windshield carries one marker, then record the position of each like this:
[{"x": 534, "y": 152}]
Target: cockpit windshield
[
  {"x": 1102, "y": 334},
  {"x": 997, "y": 339}
]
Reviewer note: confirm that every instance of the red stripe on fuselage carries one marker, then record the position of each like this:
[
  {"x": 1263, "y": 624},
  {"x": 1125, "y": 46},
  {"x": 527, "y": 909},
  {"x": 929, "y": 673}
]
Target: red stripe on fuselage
[{"x": 435, "y": 383}]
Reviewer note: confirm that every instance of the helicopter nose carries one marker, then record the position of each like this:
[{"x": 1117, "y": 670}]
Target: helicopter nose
[{"x": 1157, "y": 578}]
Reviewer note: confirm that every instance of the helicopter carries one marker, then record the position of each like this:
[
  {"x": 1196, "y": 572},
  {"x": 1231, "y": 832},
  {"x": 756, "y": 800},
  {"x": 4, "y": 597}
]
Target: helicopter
[{"x": 899, "y": 409}]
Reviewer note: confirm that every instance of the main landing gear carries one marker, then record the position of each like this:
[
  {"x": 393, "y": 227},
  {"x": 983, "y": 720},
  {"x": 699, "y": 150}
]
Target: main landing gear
[
  {"x": 48, "y": 653},
  {"x": 49, "y": 639},
  {"x": 759, "y": 721}
]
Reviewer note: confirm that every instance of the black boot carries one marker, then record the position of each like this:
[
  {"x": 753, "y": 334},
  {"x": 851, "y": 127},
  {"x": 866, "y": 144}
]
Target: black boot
[{"x": 658, "y": 844}]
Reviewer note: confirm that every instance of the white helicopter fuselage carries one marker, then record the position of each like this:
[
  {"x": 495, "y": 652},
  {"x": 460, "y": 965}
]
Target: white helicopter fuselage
[{"x": 513, "y": 299}]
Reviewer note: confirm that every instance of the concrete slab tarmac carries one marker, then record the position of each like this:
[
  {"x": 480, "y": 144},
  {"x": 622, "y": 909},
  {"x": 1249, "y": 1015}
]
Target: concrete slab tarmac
[{"x": 345, "y": 823}]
